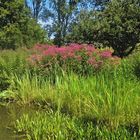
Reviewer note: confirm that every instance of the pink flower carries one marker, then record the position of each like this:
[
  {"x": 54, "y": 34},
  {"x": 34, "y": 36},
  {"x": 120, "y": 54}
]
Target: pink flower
[
  {"x": 106, "y": 54},
  {"x": 50, "y": 55},
  {"x": 79, "y": 58},
  {"x": 91, "y": 61}
]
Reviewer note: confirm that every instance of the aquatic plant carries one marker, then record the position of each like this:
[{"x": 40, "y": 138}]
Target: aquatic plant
[{"x": 55, "y": 126}]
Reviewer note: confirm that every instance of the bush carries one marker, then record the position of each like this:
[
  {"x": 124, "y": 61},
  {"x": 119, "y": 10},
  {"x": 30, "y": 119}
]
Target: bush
[{"x": 81, "y": 59}]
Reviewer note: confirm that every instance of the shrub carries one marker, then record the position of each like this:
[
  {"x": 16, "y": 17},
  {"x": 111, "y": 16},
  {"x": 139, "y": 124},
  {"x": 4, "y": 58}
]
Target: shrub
[{"x": 81, "y": 59}]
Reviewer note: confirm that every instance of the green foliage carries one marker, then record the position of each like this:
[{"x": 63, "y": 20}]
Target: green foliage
[
  {"x": 33, "y": 33},
  {"x": 117, "y": 26},
  {"x": 82, "y": 31},
  {"x": 12, "y": 15},
  {"x": 16, "y": 26},
  {"x": 62, "y": 14}
]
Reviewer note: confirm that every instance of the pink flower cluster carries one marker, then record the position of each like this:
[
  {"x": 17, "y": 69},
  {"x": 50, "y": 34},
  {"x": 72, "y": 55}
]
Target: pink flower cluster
[{"x": 73, "y": 55}]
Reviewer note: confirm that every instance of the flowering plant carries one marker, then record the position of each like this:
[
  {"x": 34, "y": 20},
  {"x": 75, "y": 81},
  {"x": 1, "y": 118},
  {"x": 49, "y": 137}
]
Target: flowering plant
[{"x": 82, "y": 59}]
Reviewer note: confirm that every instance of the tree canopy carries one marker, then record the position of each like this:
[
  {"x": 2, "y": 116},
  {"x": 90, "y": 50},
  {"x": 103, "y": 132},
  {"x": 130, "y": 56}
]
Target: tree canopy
[
  {"x": 17, "y": 28},
  {"x": 117, "y": 26}
]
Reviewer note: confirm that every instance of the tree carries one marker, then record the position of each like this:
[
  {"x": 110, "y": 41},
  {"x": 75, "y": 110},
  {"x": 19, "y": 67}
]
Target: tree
[
  {"x": 83, "y": 29},
  {"x": 16, "y": 26},
  {"x": 120, "y": 26},
  {"x": 35, "y": 6},
  {"x": 117, "y": 26},
  {"x": 62, "y": 14}
]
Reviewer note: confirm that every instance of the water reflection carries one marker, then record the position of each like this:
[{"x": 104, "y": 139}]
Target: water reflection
[{"x": 8, "y": 115}]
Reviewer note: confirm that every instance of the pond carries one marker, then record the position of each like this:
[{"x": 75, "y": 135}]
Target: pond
[{"x": 8, "y": 115}]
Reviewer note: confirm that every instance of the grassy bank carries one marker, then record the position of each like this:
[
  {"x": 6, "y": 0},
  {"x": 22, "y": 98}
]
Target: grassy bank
[{"x": 100, "y": 106}]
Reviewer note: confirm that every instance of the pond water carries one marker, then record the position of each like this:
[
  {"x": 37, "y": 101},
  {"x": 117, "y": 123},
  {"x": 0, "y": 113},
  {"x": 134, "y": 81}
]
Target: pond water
[
  {"x": 5, "y": 120},
  {"x": 8, "y": 115}
]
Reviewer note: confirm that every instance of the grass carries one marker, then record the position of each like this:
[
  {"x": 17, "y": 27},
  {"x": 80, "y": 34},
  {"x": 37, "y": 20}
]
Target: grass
[
  {"x": 13, "y": 61},
  {"x": 103, "y": 106},
  {"x": 95, "y": 97},
  {"x": 110, "y": 101},
  {"x": 55, "y": 126}
]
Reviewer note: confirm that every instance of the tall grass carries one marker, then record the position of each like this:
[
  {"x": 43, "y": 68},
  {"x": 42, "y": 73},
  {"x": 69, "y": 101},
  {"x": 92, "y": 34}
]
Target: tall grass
[
  {"x": 107, "y": 102},
  {"x": 55, "y": 126},
  {"x": 110, "y": 99},
  {"x": 13, "y": 61}
]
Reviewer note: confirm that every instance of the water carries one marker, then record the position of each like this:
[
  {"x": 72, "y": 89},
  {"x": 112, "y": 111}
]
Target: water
[
  {"x": 5, "y": 120},
  {"x": 8, "y": 115}
]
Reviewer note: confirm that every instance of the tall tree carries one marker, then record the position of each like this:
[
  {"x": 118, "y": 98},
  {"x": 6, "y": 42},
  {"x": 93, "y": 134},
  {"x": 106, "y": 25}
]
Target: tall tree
[
  {"x": 117, "y": 26},
  {"x": 36, "y": 6},
  {"x": 61, "y": 13},
  {"x": 120, "y": 26},
  {"x": 16, "y": 27},
  {"x": 83, "y": 29}
]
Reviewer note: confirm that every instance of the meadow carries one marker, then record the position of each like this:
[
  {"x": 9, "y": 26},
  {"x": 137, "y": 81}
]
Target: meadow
[{"x": 79, "y": 92}]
